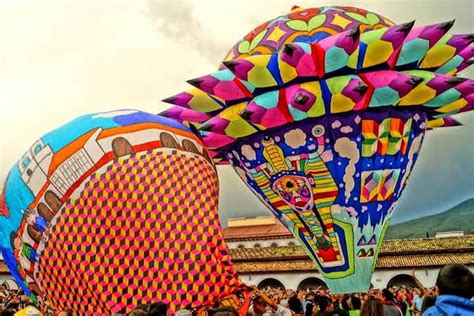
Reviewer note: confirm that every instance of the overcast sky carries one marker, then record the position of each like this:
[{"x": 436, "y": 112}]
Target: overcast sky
[{"x": 62, "y": 59}]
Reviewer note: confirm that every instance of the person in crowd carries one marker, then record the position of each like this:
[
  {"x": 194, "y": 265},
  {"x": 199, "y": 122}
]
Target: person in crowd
[
  {"x": 417, "y": 301},
  {"x": 390, "y": 308},
  {"x": 262, "y": 301},
  {"x": 372, "y": 307},
  {"x": 223, "y": 311},
  {"x": 324, "y": 306},
  {"x": 308, "y": 304},
  {"x": 455, "y": 288},
  {"x": 356, "y": 305},
  {"x": 295, "y": 305},
  {"x": 337, "y": 309}
]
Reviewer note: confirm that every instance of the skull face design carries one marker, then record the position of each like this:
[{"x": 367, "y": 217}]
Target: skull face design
[{"x": 296, "y": 191}]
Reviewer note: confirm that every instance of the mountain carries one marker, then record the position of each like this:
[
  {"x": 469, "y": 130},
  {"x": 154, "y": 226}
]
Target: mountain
[{"x": 457, "y": 218}]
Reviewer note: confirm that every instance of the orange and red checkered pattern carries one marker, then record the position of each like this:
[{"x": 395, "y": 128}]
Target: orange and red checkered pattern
[{"x": 145, "y": 230}]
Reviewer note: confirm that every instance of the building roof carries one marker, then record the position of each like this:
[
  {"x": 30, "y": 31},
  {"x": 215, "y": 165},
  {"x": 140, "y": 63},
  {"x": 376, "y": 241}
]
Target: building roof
[
  {"x": 256, "y": 232},
  {"x": 403, "y": 253},
  {"x": 391, "y": 262},
  {"x": 429, "y": 252}
]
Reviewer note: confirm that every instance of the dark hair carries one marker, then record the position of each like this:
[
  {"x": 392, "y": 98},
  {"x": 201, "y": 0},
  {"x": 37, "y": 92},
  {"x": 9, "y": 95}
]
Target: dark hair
[
  {"x": 344, "y": 303},
  {"x": 68, "y": 312},
  {"x": 387, "y": 295},
  {"x": 428, "y": 301},
  {"x": 372, "y": 307},
  {"x": 295, "y": 304},
  {"x": 259, "y": 300},
  {"x": 323, "y": 303},
  {"x": 157, "y": 309},
  {"x": 455, "y": 279},
  {"x": 356, "y": 302},
  {"x": 223, "y": 311}
]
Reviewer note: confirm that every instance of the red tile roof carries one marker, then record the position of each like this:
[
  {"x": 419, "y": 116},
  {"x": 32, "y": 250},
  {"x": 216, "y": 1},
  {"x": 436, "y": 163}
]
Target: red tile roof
[
  {"x": 257, "y": 232},
  {"x": 407, "y": 253}
]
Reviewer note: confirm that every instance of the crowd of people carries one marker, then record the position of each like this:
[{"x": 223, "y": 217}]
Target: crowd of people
[{"x": 452, "y": 295}]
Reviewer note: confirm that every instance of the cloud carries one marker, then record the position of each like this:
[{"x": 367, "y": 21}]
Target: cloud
[
  {"x": 248, "y": 152},
  {"x": 177, "y": 20},
  {"x": 336, "y": 124},
  {"x": 346, "y": 129},
  {"x": 295, "y": 138},
  {"x": 348, "y": 149}
]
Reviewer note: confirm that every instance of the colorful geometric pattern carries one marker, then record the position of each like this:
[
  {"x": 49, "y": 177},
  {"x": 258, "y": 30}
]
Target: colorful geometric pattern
[
  {"x": 314, "y": 177},
  {"x": 330, "y": 60},
  {"x": 378, "y": 185},
  {"x": 389, "y": 137},
  {"x": 142, "y": 214},
  {"x": 344, "y": 88},
  {"x": 304, "y": 25},
  {"x": 116, "y": 209}
]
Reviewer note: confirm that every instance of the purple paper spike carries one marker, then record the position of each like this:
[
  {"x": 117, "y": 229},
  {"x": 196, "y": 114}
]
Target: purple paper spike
[
  {"x": 355, "y": 90},
  {"x": 460, "y": 41},
  {"x": 450, "y": 122},
  {"x": 441, "y": 82},
  {"x": 398, "y": 81},
  {"x": 205, "y": 83},
  {"x": 470, "y": 103},
  {"x": 434, "y": 32},
  {"x": 213, "y": 140},
  {"x": 186, "y": 115},
  {"x": 227, "y": 90},
  {"x": 254, "y": 112},
  {"x": 292, "y": 54},
  {"x": 181, "y": 99},
  {"x": 239, "y": 68},
  {"x": 347, "y": 40},
  {"x": 466, "y": 87},
  {"x": 215, "y": 125},
  {"x": 396, "y": 34},
  {"x": 466, "y": 54},
  {"x": 295, "y": 56}
]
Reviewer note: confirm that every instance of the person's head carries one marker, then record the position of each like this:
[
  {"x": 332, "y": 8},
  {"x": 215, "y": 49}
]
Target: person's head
[
  {"x": 387, "y": 295},
  {"x": 67, "y": 312},
  {"x": 259, "y": 305},
  {"x": 356, "y": 303},
  {"x": 372, "y": 307},
  {"x": 157, "y": 309},
  {"x": 324, "y": 304},
  {"x": 222, "y": 311},
  {"x": 455, "y": 279},
  {"x": 428, "y": 301},
  {"x": 346, "y": 302}
]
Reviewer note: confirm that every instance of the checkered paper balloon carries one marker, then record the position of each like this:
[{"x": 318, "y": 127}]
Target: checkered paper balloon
[{"x": 113, "y": 210}]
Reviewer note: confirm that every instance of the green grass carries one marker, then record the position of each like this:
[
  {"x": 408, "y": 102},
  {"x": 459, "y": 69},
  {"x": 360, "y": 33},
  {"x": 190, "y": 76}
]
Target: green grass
[{"x": 457, "y": 218}]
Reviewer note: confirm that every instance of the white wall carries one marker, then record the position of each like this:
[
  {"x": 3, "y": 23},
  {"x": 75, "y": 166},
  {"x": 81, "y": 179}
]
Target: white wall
[
  {"x": 380, "y": 278},
  {"x": 263, "y": 243},
  {"x": 289, "y": 280}
]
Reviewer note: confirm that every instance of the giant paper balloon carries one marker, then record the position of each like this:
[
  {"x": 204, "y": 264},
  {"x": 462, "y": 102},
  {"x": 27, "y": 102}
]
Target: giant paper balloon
[
  {"x": 114, "y": 210},
  {"x": 322, "y": 113}
]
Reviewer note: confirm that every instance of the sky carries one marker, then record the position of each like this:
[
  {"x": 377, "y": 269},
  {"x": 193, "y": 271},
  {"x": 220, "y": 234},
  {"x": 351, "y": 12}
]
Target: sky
[{"x": 63, "y": 59}]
